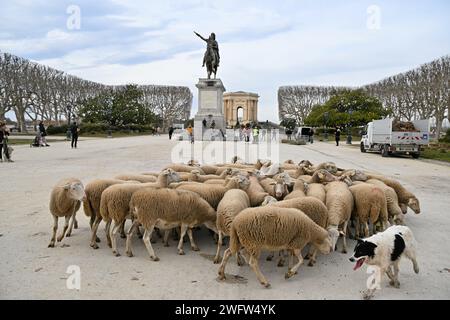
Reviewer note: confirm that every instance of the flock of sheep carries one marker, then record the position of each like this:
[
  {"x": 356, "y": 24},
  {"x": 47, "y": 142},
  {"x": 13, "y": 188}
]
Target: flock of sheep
[{"x": 263, "y": 206}]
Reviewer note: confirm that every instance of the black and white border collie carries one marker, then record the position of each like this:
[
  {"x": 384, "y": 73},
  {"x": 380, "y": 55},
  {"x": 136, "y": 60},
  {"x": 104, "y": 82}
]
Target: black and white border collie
[{"x": 384, "y": 250}]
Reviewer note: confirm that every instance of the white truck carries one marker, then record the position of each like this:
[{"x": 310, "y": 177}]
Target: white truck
[{"x": 379, "y": 137}]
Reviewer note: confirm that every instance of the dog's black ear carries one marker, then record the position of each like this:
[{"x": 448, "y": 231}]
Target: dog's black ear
[{"x": 359, "y": 241}]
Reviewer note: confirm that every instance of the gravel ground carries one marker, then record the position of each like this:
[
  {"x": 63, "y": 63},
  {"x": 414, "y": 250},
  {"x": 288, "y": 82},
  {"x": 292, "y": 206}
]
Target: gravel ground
[{"x": 30, "y": 270}]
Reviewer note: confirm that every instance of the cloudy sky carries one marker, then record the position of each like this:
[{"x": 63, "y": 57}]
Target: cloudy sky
[{"x": 263, "y": 44}]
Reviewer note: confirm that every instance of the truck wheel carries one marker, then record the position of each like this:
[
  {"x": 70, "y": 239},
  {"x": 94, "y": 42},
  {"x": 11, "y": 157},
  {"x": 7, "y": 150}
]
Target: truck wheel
[
  {"x": 385, "y": 151},
  {"x": 416, "y": 155},
  {"x": 363, "y": 150}
]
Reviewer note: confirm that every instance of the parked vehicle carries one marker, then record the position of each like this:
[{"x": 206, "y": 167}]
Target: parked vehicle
[
  {"x": 302, "y": 133},
  {"x": 381, "y": 137}
]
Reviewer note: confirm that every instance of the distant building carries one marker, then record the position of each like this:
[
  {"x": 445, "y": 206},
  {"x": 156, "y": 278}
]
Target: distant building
[{"x": 240, "y": 107}]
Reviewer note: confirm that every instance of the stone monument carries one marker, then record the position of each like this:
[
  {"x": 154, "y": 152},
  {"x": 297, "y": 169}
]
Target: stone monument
[{"x": 209, "y": 123}]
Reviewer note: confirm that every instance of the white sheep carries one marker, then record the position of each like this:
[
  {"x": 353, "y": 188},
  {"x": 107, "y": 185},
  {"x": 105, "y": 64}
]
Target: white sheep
[
  {"x": 65, "y": 200},
  {"x": 370, "y": 205},
  {"x": 299, "y": 191},
  {"x": 136, "y": 177},
  {"x": 233, "y": 202},
  {"x": 339, "y": 202},
  {"x": 316, "y": 190},
  {"x": 213, "y": 193},
  {"x": 255, "y": 191},
  {"x": 395, "y": 212},
  {"x": 114, "y": 204},
  {"x": 273, "y": 228},
  {"x": 405, "y": 197},
  {"x": 313, "y": 208},
  {"x": 167, "y": 208},
  {"x": 94, "y": 190}
]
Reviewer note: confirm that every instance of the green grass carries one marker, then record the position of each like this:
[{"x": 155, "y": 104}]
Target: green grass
[
  {"x": 439, "y": 152},
  {"x": 28, "y": 141},
  {"x": 119, "y": 134}
]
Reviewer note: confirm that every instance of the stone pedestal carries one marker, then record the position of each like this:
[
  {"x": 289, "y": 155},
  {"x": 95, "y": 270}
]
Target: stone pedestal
[{"x": 210, "y": 108}]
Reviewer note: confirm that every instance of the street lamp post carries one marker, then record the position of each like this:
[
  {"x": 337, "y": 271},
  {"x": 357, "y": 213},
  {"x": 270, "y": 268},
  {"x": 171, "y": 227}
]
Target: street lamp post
[
  {"x": 349, "y": 131},
  {"x": 326, "y": 116}
]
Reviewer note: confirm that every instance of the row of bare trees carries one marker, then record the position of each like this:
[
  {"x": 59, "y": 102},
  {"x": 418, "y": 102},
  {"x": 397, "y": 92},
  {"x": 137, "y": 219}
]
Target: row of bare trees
[
  {"x": 37, "y": 92},
  {"x": 417, "y": 94},
  {"x": 296, "y": 102}
]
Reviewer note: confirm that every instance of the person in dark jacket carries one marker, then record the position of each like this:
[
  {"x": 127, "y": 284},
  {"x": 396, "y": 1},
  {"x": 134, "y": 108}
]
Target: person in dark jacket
[
  {"x": 4, "y": 132},
  {"x": 311, "y": 135},
  {"x": 171, "y": 132},
  {"x": 337, "y": 136},
  {"x": 43, "y": 133},
  {"x": 74, "y": 132}
]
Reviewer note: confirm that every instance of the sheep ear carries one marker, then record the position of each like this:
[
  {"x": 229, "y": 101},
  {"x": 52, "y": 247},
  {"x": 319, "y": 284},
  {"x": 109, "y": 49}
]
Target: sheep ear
[
  {"x": 273, "y": 183},
  {"x": 66, "y": 186}
]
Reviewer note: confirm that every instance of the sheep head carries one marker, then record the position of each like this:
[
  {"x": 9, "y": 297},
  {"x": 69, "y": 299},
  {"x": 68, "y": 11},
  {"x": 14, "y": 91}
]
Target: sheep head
[
  {"x": 268, "y": 200},
  {"x": 171, "y": 175},
  {"x": 325, "y": 246},
  {"x": 75, "y": 191},
  {"x": 414, "y": 204},
  {"x": 333, "y": 233}
]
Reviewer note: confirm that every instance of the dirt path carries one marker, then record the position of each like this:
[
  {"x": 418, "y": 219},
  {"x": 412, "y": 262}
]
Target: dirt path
[{"x": 29, "y": 270}]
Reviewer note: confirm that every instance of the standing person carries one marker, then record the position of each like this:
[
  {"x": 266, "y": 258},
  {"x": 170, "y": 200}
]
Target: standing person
[
  {"x": 158, "y": 131},
  {"x": 311, "y": 136},
  {"x": 213, "y": 124},
  {"x": 274, "y": 134},
  {"x": 247, "y": 134},
  {"x": 204, "y": 123},
  {"x": 4, "y": 133},
  {"x": 170, "y": 132},
  {"x": 190, "y": 132},
  {"x": 255, "y": 134},
  {"x": 74, "y": 130},
  {"x": 43, "y": 133},
  {"x": 289, "y": 134},
  {"x": 263, "y": 134},
  {"x": 337, "y": 136}
]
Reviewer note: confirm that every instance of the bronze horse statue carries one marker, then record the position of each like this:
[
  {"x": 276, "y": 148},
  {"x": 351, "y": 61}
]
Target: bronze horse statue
[{"x": 211, "y": 58}]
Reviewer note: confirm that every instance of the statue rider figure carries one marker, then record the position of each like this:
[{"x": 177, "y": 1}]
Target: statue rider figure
[{"x": 211, "y": 45}]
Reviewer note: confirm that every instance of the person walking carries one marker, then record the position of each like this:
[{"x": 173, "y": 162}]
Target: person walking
[
  {"x": 190, "y": 132},
  {"x": 337, "y": 136},
  {"x": 204, "y": 123},
  {"x": 43, "y": 133},
  {"x": 170, "y": 132},
  {"x": 311, "y": 136},
  {"x": 4, "y": 133},
  {"x": 74, "y": 130}
]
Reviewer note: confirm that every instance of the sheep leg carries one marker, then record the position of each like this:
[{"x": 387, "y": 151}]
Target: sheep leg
[
  {"x": 254, "y": 264},
  {"x": 293, "y": 270},
  {"x": 312, "y": 256},
  {"x": 166, "y": 237},
  {"x": 226, "y": 256},
  {"x": 113, "y": 236},
  {"x": 69, "y": 232},
  {"x": 122, "y": 230},
  {"x": 270, "y": 256},
  {"x": 344, "y": 238},
  {"x": 357, "y": 228},
  {"x": 55, "y": 229},
  {"x": 133, "y": 227},
  {"x": 147, "y": 234},
  {"x": 94, "y": 237},
  {"x": 66, "y": 225},
  {"x": 107, "y": 231},
  {"x": 366, "y": 229},
  {"x": 281, "y": 256},
  {"x": 137, "y": 228},
  {"x": 240, "y": 259},
  {"x": 219, "y": 245},
  {"x": 181, "y": 241},
  {"x": 91, "y": 224},
  {"x": 75, "y": 225},
  {"x": 191, "y": 240}
]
